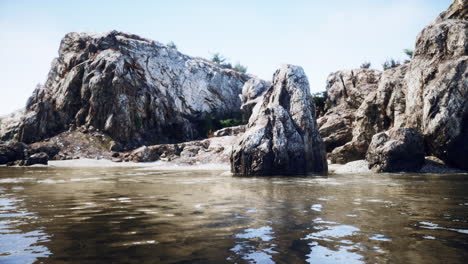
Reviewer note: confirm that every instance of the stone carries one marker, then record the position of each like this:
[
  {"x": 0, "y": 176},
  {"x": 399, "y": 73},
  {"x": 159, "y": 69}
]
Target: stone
[
  {"x": 396, "y": 150},
  {"x": 381, "y": 109},
  {"x": 37, "y": 158},
  {"x": 252, "y": 93},
  {"x": 12, "y": 151},
  {"x": 137, "y": 91},
  {"x": 346, "y": 91},
  {"x": 282, "y": 137},
  {"x": 230, "y": 131},
  {"x": 437, "y": 90}
]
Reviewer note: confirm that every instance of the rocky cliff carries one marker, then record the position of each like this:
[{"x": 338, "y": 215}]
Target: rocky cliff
[
  {"x": 428, "y": 94},
  {"x": 282, "y": 137},
  {"x": 135, "y": 90}
]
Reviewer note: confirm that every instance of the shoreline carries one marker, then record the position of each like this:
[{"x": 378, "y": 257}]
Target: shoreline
[{"x": 353, "y": 167}]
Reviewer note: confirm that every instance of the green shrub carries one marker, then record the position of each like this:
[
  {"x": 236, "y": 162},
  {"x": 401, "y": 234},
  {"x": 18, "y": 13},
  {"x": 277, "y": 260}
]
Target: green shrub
[
  {"x": 320, "y": 100},
  {"x": 365, "y": 65},
  {"x": 240, "y": 68},
  {"x": 409, "y": 53},
  {"x": 171, "y": 45}
]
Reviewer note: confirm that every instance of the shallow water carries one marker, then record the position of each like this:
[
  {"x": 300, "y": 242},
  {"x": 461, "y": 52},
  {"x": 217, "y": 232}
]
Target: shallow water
[{"x": 131, "y": 215}]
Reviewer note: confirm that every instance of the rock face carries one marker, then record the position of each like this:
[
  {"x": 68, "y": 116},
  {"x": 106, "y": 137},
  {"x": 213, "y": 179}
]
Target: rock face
[
  {"x": 230, "y": 131},
  {"x": 135, "y": 90},
  {"x": 18, "y": 153},
  {"x": 437, "y": 89},
  {"x": 346, "y": 91},
  {"x": 282, "y": 137},
  {"x": 380, "y": 110},
  {"x": 252, "y": 93},
  {"x": 429, "y": 94},
  {"x": 396, "y": 150}
]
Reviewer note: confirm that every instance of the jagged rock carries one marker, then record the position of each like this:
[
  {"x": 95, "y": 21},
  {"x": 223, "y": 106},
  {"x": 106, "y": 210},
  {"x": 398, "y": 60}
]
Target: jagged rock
[
  {"x": 282, "y": 136},
  {"x": 346, "y": 91},
  {"x": 396, "y": 150},
  {"x": 351, "y": 87},
  {"x": 10, "y": 125},
  {"x": 457, "y": 10},
  {"x": 380, "y": 110},
  {"x": 37, "y": 158},
  {"x": 252, "y": 93},
  {"x": 135, "y": 90},
  {"x": 230, "y": 131},
  {"x": 436, "y": 102}
]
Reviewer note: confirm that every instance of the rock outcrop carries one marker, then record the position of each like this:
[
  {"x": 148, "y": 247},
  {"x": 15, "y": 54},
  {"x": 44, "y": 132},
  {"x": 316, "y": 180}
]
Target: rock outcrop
[
  {"x": 346, "y": 91},
  {"x": 396, "y": 150},
  {"x": 429, "y": 94},
  {"x": 135, "y": 90},
  {"x": 380, "y": 110},
  {"x": 282, "y": 137},
  {"x": 18, "y": 153},
  {"x": 437, "y": 89}
]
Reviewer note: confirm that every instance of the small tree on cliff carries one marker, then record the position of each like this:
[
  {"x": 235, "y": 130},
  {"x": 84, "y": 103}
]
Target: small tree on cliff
[{"x": 365, "y": 65}]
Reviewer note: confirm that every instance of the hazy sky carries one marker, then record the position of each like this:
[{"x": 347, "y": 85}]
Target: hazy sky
[{"x": 321, "y": 36}]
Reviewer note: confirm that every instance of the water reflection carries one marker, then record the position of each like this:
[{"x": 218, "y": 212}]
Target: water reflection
[{"x": 127, "y": 215}]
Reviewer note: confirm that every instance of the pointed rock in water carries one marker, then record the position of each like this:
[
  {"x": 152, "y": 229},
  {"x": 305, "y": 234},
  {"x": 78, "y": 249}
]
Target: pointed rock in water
[
  {"x": 396, "y": 150},
  {"x": 282, "y": 137},
  {"x": 135, "y": 90}
]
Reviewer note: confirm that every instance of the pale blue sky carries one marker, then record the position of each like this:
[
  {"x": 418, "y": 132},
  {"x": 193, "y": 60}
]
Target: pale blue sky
[{"x": 321, "y": 36}]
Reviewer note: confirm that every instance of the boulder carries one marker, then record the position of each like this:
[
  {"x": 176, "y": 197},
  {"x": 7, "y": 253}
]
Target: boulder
[
  {"x": 282, "y": 137},
  {"x": 396, "y": 150},
  {"x": 137, "y": 91},
  {"x": 12, "y": 151},
  {"x": 37, "y": 158}
]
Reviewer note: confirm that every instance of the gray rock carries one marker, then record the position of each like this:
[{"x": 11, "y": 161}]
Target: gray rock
[
  {"x": 135, "y": 90},
  {"x": 396, "y": 150},
  {"x": 282, "y": 137},
  {"x": 230, "y": 131},
  {"x": 437, "y": 90},
  {"x": 252, "y": 93},
  {"x": 380, "y": 110},
  {"x": 12, "y": 151},
  {"x": 346, "y": 91}
]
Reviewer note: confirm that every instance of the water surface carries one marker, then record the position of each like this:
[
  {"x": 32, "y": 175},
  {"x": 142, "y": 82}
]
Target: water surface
[{"x": 131, "y": 215}]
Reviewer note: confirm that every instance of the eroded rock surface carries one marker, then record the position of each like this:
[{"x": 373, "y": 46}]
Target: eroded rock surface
[
  {"x": 282, "y": 137},
  {"x": 252, "y": 93},
  {"x": 135, "y": 90},
  {"x": 396, "y": 150},
  {"x": 346, "y": 91}
]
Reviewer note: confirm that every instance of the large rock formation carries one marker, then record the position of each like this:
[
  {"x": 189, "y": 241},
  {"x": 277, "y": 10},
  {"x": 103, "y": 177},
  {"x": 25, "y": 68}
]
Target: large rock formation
[
  {"x": 282, "y": 137},
  {"x": 396, "y": 150},
  {"x": 437, "y": 88},
  {"x": 135, "y": 90},
  {"x": 380, "y": 110},
  {"x": 346, "y": 91},
  {"x": 429, "y": 94}
]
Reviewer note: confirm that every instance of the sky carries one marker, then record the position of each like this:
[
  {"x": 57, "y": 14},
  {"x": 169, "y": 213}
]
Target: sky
[{"x": 321, "y": 36}]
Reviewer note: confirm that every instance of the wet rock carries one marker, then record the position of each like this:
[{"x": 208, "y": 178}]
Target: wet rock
[
  {"x": 396, "y": 150},
  {"x": 335, "y": 127},
  {"x": 37, "y": 158},
  {"x": 137, "y": 91},
  {"x": 230, "y": 131},
  {"x": 282, "y": 136}
]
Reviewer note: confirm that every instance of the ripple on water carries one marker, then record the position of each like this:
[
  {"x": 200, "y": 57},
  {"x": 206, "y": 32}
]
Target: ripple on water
[
  {"x": 254, "y": 245},
  {"x": 429, "y": 225}
]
